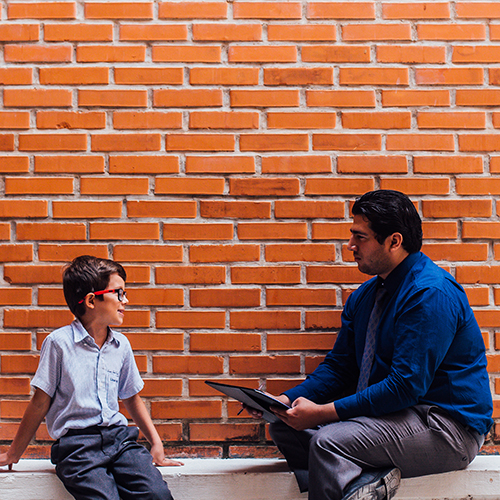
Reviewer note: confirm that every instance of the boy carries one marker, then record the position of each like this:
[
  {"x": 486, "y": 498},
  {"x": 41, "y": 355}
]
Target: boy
[{"x": 84, "y": 368}]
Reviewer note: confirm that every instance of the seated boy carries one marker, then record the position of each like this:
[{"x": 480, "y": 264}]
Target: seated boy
[{"x": 84, "y": 368}]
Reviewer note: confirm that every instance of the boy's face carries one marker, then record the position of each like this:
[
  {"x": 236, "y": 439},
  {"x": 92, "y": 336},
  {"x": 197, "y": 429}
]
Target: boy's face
[{"x": 110, "y": 310}]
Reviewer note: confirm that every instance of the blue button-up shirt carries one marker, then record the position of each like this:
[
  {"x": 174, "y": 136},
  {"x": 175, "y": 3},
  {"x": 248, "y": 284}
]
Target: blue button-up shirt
[
  {"x": 429, "y": 350},
  {"x": 85, "y": 382}
]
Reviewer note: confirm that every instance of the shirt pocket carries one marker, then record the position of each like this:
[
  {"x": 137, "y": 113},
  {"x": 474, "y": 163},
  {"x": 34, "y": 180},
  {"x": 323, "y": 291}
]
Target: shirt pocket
[{"x": 112, "y": 382}]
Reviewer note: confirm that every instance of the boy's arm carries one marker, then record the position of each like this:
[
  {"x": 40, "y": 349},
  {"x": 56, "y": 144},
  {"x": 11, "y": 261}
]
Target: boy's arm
[
  {"x": 33, "y": 416},
  {"x": 140, "y": 416}
]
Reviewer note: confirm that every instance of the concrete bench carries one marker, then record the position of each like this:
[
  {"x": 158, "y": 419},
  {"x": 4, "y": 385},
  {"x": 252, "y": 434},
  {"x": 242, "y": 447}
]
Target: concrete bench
[{"x": 255, "y": 479}]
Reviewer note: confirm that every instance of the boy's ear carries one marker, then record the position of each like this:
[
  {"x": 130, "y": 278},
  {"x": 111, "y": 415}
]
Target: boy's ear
[{"x": 90, "y": 300}]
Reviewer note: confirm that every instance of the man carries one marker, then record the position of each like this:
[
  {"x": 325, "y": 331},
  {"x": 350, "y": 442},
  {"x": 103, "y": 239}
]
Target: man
[{"x": 404, "y": 391}]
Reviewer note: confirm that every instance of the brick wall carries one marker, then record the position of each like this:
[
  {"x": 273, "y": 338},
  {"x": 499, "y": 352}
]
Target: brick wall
[{"x": 214, "y": 148}]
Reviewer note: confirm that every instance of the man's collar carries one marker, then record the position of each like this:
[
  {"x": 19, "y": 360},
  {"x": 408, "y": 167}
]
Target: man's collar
[{"x": 397, "y": 275}]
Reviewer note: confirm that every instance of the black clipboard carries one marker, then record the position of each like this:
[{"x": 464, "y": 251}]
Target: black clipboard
[{"x": 254, "y": 398}]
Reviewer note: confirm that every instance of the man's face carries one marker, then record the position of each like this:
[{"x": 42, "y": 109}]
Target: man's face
[{"x": 371, "y": 256}]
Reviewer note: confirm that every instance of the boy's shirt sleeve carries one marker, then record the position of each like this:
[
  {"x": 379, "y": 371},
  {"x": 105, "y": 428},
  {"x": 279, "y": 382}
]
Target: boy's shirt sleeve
[
  {"x": 130, "y": 379},
  {"x": 48, "y": 373}
]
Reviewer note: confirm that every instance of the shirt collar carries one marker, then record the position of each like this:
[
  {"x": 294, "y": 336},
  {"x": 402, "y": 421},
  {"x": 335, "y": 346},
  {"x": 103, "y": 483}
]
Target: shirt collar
[
  {"x": 80, "y": 333},
  {"x": 397, "y": 275}
]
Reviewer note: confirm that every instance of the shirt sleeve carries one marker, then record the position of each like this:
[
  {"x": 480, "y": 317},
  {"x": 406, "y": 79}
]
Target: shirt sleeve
[
  {"x": 48, "y": 373},
  {"x": 422, "y": 336},
  {"x": 130, "y": 379}
]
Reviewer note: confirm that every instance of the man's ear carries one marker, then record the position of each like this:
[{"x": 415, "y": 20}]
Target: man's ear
[{"x": 396, "y": 240}]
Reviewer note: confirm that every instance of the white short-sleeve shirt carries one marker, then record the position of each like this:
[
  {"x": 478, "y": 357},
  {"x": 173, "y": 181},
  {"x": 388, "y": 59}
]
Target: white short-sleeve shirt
[{"x": 85, "y": 382}]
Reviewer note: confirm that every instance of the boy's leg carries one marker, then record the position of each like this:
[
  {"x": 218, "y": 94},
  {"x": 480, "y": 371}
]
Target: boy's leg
[
  {"x": 132, "y": 467},
  {"x": 83, "y": 468}
]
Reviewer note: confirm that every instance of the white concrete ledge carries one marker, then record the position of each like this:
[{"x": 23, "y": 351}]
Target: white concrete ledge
[{"x": 255, "y": 479}]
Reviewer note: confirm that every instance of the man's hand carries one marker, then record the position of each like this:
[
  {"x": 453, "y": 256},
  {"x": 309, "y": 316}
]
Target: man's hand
[
  {"x": 305, "y": 414},
  {"x": 257, "y": 414},
  {"x": 159, "y": 459}
]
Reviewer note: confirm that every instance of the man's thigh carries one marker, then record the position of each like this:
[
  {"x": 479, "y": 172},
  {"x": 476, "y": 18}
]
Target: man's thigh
[{"x": 419, "y": 440}]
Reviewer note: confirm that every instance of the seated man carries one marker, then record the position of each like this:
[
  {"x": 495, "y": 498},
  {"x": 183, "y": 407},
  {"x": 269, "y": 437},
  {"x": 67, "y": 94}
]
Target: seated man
[{"x": 404, "y": 391}]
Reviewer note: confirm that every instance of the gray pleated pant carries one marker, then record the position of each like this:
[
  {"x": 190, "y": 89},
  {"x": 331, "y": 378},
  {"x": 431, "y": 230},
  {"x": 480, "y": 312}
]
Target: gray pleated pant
[{"x": 419, "y": 440}]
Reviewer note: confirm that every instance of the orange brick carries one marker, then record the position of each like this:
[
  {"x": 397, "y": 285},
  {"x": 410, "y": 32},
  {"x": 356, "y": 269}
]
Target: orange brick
[
  {"x": 445, "y": 120},
  {"x": 188, "y": 364},
  {"x": 296, "y": 164},
  {"x": 187, "y": 98},
  {"x": 34, "y": 318},
  {"x": 149, "y": 76},
  {"x": 161, "y": 209},
  {"x": 110, "y": 53},
  {"x": 440, "y": 230},
  {"x": 42, "y": 10},
  {"x": 190, "y": 275},
  {"x": 220, "y": 164},
  {"x": 214, "y": 297},
  {"x": 416, "y": 10},
  {"x": 14, "y": 164},
  {"x": 300, "y": 297},
  {"x": 148, "y": 253},
  {"x": 341, "y": 10},
  {"x": 119, "y": 10},
  {"x": 478, "y": 274},
  {"x": 272, "y": 231},
  {"x": 14, "y": 386},
  {"x": 7, "y": 142},
  {"x": 15, "y": 341},
  {"x": 374, "y": 76},
  {"x": 300, "y": 252},
  {"x": 267, "y": 10},
  {"x": 13, "y": 409},
  {"x": 113, "y": 98},
  {"x": 187, "y": 54},
  {"x": 372, "y": 164},
  {"x": 192, "y": 10},
  {"x": 342, "y": 186},
  {"x": 457, "y": 208},
  {"x": 331, "y": 230},
  {"x": 124, "y": 231},
  {"x": 190, "y": 319},
  {"x": 16, "y": 253},
  {"x": 162, "y": 387},
  {"x": 65, "y": 253},
  {"x": 23, "y": 209},
  {"x": 148, "y": 120},
  {"x": 451, "y": 32},
  {"x": 264, "y": 187},
  {"x": 449, "y": 76},
  {"x": 50, "y": 231},
  {"x": 322, "y": 320},
  {"x": 224, "y": 76},
  {"x": 197, "y": 232},
  {"x": 15, "y": 296},
  {"x": 114, "y": 186},
  {"x": 69, "y": 164},
  {"x": 298, "y": 76},
  {"x": 495, "y": 164},
  {"x": 19, "y": 32},
  {"x": 347, "y": 142},
  {"x": 19, "y": 364},
  {"x": 262, "y": 54},
  {"x": 334, "y": 274},
  {"x": 224, "y": 253},
  {"x": 487, "y": 318},
  {"x": 494, "y": 32},
  {"x": 70, "y": 120},
  {"x": 482, "y": 142},
  {"x": 36, "y": 53},
  {"x": 300, "y": 341},
  {"x": 186, "y": 409},
  {"x": 365, "y": 32},
  {"x": 478, "y": 97},
  {"x": 98, "y": 209},
  {"x": 74, "y": 76},
  {"x": 301, "y": 120},
  {"x": 274, "y": 142},
  {"x": 480, "y": 230},
  {"x": 447, "y": 164},
  {"x": 156, "y": 341},
  {"x": 264, "y": 98},
  {"x": 420, "y": 142},
  {"x": 301, "y": 32},
  {"x": 265, "y": 275},
  {"x": 51, "y": 297},
  {"x": 454, "y": 252},
  {"x": 264, "y": 364},
  {"x": 308, "y": 209},
  {"x": 235, "y": 209},
  {"x": 478, "y": 296},
  {"x": 34, "y": 98},
  {"x": 200, "y": 142},
  {"x": 475, "y": 54},
  {"x": 411, "y": 54},
  {"x": 152, "y": 32},
  {"x": 224, "y": 432},
  {"x": 223, "y": 120},
  {"x": 417, "y": 186},
  {"x": 415, "y": 98},
  {"x": 126, "y": 142},
  {"x": 39, "y": 185},
  {"x": 224, "y": 342},
  {"x": 193, "y": 186},
  {"x": 208, "y": 32},
  {"x": 336, "y": 54},
  {"x": 377, "y": 120},
  {"x": 84, "y": 32},
  {"x": 16, "y": 76},
  {"x": 143, "y": 164},
  {"x": 53, "y": 142}
]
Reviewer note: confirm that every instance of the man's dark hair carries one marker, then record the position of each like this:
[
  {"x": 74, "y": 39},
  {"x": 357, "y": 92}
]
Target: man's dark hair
[
  {"x": 87, "y": 274},
  {"x": 391, "y": 212}
]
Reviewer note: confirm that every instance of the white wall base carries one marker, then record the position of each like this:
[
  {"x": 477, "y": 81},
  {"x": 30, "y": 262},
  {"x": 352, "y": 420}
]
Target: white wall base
[{"x": 255, "y": 479}]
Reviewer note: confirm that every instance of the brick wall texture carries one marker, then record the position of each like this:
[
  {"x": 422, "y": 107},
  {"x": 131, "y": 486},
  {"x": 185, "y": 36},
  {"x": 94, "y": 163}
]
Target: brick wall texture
[{"x": 215, "y": 148}]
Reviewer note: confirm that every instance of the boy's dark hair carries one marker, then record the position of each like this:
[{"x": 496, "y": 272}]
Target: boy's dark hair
[
  {"x": 87, "y": 274},
  {"x": 391, "y": 212}
]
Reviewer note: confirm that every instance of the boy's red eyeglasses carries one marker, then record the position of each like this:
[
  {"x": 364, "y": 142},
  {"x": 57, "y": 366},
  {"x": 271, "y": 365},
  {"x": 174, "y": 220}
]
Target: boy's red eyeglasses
[{"x": 120, "y": 292}]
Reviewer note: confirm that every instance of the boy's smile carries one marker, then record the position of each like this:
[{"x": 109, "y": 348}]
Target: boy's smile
[{"x": 110, "y": 310}]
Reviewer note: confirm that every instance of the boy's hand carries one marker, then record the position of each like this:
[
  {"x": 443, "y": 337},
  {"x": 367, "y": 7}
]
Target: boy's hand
[
  {"x": 6, "y": 460},
  {"x": 159, "y": 458}
]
